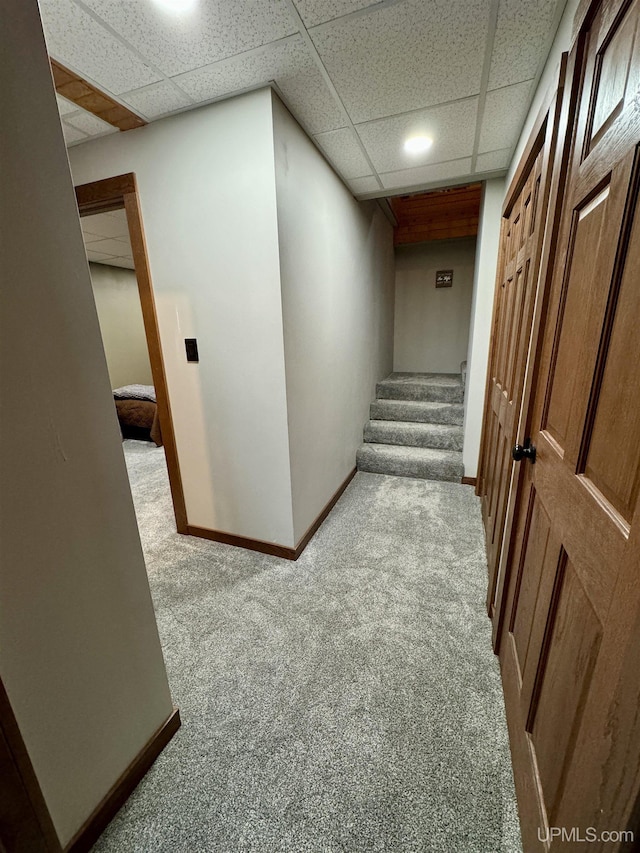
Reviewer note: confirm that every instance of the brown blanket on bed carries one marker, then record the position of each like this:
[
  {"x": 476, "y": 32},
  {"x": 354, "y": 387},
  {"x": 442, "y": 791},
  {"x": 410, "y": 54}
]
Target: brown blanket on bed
[{"x": 139, "y": 415}]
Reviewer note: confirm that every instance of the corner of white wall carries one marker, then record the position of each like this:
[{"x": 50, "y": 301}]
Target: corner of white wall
[{"x": 481, "y": 315}]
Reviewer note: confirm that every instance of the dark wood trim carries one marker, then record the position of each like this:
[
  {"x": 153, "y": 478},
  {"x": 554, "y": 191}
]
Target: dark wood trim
[
  {"x": 271, "y": 548},
  {"x": 469, "y": 481},
  {"x": 122, "y": 192},
  {"x": 562, "y": 115},
  {"x": 83, "y": 94},
  {"x": 243, "y": 542},
  {"x": 25, "y": 822},
  {"x": 302, "y": 544},
  {"x": 105, "y": 195},
  {"x": 91, "y": 829}
]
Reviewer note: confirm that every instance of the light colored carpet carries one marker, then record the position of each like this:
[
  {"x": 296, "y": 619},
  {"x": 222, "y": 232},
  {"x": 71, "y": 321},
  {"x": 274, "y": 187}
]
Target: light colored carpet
[{"x": 346, "y": 702}]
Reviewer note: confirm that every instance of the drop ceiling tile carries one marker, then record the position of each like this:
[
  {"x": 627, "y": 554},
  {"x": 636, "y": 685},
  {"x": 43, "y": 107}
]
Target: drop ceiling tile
[
  {"x": 315, "y": 12},
  {"x": 427, "y": 174},
  {"x": 211, "y": 31},
  {"x": 288, "y": 63},
  {"x": 124, "y": 262},
  {"x": 452, "y": 128},
  {"x": 157, "y": 99},
  {"x": 493, "y": 160},
  {"x": 504, "y": 114},
  {"x": 366, "y": 184},
  {"x": 101, "y": 226},
  {"x": 64, "y": 106},
  {"x": 342, "y": 148},
  {"x": 115, "y": 248},
  {"x": 72, "y": 134},
  {"x": 97, "y": 257},
  {"x": 405, "y": 56},
  {"x": 77, "y": 40},
  {"x": 90, "y": 124},
  {"x": 522, "y": 39}
]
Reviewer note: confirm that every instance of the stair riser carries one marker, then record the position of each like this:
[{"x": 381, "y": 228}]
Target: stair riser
[
  {"x": 424, "y": 393},
  {"x": 397, "y": 410},
  {"x": 379, "y": 433},
  {"x": 420, "y": 470}
]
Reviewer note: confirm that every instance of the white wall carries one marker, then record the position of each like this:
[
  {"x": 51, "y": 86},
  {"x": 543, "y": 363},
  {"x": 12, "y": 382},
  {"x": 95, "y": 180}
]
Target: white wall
[
  {"x": 120, "y": 316},
  {"x": 208, "y": 197},
  {"x": 432, "y": 324},
  {"x": 336, "y": 260},
  {"x": 481, "y": 315},
  {"x": 561, "y": 42},
  {"x": 79, "y": 651}
]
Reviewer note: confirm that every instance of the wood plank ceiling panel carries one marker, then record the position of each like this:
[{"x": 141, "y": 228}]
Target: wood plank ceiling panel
[
  {"x": 438, "y": 215},
  {"x": 83, "y": 94}
]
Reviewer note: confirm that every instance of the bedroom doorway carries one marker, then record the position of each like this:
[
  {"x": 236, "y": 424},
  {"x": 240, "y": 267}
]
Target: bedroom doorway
[{"x": 114, "y": 239}]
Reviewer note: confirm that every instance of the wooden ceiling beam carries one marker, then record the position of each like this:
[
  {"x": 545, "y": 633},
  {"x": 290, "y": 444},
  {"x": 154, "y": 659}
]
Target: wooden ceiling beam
[{"x": 77, "y": 90}]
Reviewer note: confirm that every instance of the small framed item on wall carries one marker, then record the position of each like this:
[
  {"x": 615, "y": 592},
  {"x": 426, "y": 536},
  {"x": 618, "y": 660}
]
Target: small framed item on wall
[{"x": 444, "y": 278}]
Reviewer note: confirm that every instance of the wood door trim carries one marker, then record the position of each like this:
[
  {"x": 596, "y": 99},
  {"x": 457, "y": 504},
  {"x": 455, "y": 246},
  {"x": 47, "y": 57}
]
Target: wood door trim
[
  {"x": 469, "y": 481},
  {"x": 271, "y": 548},
  {"x": 565, "y": 109},
  {"x": 20, "y": 788},
  {"x": 113, "y": 801},
  {"x": 83, "y": 94},
  {"x": 542, "y": 142},
  {"x": 121, "y": 192}
]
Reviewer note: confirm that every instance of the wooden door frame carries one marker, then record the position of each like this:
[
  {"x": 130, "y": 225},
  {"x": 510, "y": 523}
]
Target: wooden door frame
[
  {"x": 553, "y": 122},
  {"x": 114, "y": 194}
]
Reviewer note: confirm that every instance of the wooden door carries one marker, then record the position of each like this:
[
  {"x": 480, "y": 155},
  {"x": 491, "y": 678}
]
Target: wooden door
[
  {"x": 517, "y": 286},
  {"x": 572, "y": 612}
]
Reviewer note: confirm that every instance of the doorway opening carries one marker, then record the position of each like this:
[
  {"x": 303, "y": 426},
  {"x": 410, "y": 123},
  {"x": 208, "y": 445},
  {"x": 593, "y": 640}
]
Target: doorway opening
[
  {"x": 417, "y": 420},
  {"x": 114, "y": 239}
]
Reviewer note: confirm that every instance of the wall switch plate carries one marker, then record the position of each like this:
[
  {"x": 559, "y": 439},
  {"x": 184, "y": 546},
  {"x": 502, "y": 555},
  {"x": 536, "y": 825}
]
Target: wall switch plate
[{"x": 191, "y": 346}]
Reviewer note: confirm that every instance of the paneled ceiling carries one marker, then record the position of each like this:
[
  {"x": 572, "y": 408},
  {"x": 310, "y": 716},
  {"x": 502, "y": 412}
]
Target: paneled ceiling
[
  {"x": 360, "y": 76},
  {"x": 106, "y": 239}
]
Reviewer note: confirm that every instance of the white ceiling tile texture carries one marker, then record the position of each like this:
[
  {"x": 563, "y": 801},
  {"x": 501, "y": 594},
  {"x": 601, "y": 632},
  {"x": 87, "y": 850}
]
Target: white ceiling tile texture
[
  {"x": 384, "y": 69},
  {"x": 504, "y": 113},
  {"x": 366, "y": 184},
  {"x": 77, "y": 40},
  {"x": 420, "y": 176},
  {"x": 405, "y": 56},
  {"x": 342, "y": 148},
  {"x": 64, "y": 106},
  {"x": 493, "y": 160},
  {"x": 90, "y": 124},
  {"x": 523, "y": 32},
  {"x": 452, "y": 128},
  {"x": 213, "y": 30},
  {"x": 289, "y": 64},
  {"x": 315, "y": 12},
  {"x": 72, "y": 134},
  {"x": 157, "y": 99}
]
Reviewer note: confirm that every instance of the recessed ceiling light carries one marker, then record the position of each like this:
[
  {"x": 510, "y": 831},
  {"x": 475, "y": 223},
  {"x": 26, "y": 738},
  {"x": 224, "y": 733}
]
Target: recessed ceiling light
[
  {"x": 176, "y": 5},
  {"x": 418, "y": 144}
]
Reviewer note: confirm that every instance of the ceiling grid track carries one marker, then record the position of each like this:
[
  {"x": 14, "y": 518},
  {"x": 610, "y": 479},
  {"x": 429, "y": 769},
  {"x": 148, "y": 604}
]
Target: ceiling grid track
[
  {"x": 164, "y": 78},
  {"x": 484, "y": 79},
  {"x": 334, "y": 92}
]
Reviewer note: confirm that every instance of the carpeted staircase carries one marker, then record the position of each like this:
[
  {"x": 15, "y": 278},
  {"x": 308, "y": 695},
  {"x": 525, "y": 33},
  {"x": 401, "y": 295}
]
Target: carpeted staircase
[{"x": 416, "y": 427}]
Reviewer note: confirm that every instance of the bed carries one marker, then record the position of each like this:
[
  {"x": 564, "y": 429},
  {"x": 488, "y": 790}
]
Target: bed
[{"x": 138, "y": 412}]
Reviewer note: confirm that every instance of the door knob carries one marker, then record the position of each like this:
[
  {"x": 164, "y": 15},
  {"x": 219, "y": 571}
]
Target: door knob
[{"x": 524, "y": 451}]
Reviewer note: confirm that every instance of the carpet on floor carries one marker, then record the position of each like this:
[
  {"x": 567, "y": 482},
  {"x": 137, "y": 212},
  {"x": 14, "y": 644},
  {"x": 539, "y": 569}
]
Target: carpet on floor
[{"x": 349, "y": 701}]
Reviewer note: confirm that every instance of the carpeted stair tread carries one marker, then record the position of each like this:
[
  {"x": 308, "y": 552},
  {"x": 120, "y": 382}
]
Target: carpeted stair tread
[
  {"x": 419, "y": 462},
  {"x": 439, "y": 436},
  {"x": 418, "y": 411},
  {"x": 429, "y": 387}
]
